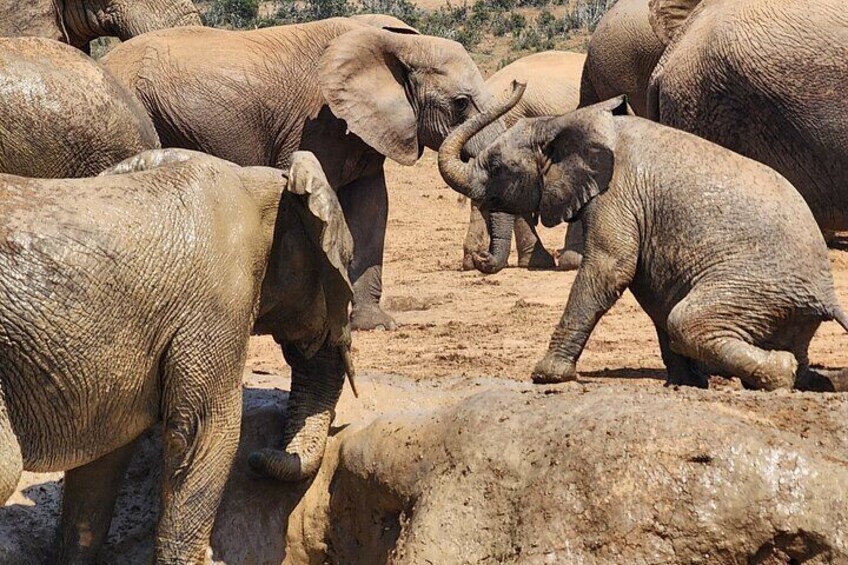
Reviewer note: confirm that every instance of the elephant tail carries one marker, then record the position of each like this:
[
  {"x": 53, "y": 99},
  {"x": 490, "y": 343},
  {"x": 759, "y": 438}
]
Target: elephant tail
[{"x": 836, "y": 313}]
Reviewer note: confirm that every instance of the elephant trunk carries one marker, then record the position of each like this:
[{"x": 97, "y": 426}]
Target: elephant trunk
[
  {"x": 499, "y": 226},
  {"x": 315, "y": 390},
  {"x": 458, "y": 174}
]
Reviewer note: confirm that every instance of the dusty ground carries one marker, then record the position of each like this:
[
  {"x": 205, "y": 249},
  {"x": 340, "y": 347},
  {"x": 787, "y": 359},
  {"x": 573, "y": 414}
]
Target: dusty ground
[{"x": 471, "y": 325}]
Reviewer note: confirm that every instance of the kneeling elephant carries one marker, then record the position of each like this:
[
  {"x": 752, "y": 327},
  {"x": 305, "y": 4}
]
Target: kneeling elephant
[{"x": 723, "y": 254}]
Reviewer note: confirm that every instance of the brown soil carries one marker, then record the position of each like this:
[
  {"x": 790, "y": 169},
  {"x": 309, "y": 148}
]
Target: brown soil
[{"x": 472, "y": 325}]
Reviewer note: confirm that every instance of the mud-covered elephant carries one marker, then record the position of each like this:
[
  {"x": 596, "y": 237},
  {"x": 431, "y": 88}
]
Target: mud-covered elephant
[
  {"x": 553, "y": 88},
  {"x": 723, "y": 254},
  {"x": 129, "y": 300},
  {"x": 63, "y": 115},
  {"x": 351, "y": 93},
  {"x": 766, "y": 80},
  {"x": 76, "y": 22}
]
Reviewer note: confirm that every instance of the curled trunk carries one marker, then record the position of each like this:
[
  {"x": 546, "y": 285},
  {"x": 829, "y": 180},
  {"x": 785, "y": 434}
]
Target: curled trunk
[
  {"x": 499, "y": 225},
  {"x": 463, "y": 177},
  {"x": 315, "y": 390}
]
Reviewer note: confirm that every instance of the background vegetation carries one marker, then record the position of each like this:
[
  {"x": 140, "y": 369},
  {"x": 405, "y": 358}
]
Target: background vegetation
[{"x": 495, "y": 31}]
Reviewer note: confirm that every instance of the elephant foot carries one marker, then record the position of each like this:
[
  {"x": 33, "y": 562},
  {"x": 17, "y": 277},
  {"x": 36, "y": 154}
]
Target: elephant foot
[
  {"x": 371, "y": 317},
  {"x": 568, "y": 260},
  {"x": 552, "y": 369},
  {"x": 467, "y": 261},
  {"x": 823, "y": 380},
  {"x": 538, "y": 258},
  {"x": 486, "y": 263},
  {"x": 776, "y": 371}
]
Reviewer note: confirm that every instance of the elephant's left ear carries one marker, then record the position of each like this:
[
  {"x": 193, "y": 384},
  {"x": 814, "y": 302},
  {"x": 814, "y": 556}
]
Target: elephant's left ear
[
  {"x": 328, "y": 231},
  {"x": 667, "y": 16},
  {"x": 580, "y": 153},
  {"x": 365, "y": 83}
]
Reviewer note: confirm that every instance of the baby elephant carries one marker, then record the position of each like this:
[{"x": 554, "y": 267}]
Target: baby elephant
[
  {"x": 720, "y": 251},
  {"x": 128, "y": 300}
]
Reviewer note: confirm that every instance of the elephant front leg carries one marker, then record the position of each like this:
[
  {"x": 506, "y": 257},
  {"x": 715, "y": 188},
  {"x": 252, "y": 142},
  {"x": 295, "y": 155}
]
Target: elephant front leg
[
  {"x": 365, "y": 204},
  {"x": 571, "y": 255},
  {"x": 88, "y": 501},
  {"x": 531, "y": 253},
  {"x": 476, "y": 238},
  {"x": 598, "y": 285}
]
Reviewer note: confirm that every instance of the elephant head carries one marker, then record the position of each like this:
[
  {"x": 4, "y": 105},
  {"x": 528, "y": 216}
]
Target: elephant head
[
  {"x": 401, "y": 92},
  {"x": 80, "y": 21},
  {"x": 552, "y": 167}
]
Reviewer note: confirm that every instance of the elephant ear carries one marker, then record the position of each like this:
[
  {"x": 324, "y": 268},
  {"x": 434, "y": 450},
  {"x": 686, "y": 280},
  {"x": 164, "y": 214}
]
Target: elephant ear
[
  {"x": 386, "y": 22},
  {"x": 322, "y": 216},
  {"x": 667, "y": 16},
  {"x": 579, "y": 159},
  {"x": 365, "y": 82}
]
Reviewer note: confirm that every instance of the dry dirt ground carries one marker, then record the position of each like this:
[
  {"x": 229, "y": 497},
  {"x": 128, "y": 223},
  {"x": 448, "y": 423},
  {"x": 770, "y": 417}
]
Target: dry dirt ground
[{"x": 467, "y": 324}]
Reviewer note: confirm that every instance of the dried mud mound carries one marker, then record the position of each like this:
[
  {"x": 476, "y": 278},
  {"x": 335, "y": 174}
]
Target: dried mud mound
[{"x": 595, "y": 474}]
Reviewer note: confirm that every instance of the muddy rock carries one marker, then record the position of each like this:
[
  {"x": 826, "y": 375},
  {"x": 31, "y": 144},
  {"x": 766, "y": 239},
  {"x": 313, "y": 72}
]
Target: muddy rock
[{"x": 588, "y": 474}]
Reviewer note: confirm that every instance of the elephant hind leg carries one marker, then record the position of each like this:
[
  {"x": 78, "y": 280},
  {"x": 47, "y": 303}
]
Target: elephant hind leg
[
  {"x": 476, "y": 239},
  {"x": 531, "y": 253},
  {"x": 681, "y": 370},
  {"x": 88, "y": 501},
  {"x": 570, "y": 256},
  {"x": 201, "y": 413},
  {"x": 698, "y": 331},
  {"x": 11, "y": 459}
]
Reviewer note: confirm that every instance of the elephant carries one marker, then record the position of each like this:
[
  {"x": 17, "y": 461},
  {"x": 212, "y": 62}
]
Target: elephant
[
  {"x": 764, "y": 80},
  {"x": 723, "y": 254},
  {"x": 553, "y": 88},
  {"x": 387, "y": 22},
  {"x": 130, "y": 298},
  {"x": 351, "y": 93},
  {"x": 63, "y": 115},
  {"x": 77, "y": 22}
]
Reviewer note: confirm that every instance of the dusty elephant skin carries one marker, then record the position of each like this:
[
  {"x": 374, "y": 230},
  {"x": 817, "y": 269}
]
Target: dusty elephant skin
[
  {"x": 63, "y": 115},
  {"x": 553, "y": 88},
  {"x": 581, "y": 476},
  {"x": 77, "y": 22},
  {"x": 130, "y": 305},
  {"x": 724, "y": 255},
  {"x": 253, "y": 97}
]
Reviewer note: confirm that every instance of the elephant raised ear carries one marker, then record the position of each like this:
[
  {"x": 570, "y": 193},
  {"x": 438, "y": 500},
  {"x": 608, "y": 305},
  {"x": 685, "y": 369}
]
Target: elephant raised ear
[
  {"x": 365, "y": 82},
  {"x": 667, "y": 16},
  {"x": 386, "y": 22},
  {"x": 330, "y": 235},
  {"x": 577, "y": 159}
]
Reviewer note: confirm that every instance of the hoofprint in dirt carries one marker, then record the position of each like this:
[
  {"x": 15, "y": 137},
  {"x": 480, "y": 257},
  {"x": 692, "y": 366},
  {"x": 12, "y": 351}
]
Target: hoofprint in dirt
[{"x": 466, "y": 323}]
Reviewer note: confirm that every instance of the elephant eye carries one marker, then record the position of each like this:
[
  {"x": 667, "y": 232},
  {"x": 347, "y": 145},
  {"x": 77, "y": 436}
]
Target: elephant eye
[{"x": 461, "y": 103}]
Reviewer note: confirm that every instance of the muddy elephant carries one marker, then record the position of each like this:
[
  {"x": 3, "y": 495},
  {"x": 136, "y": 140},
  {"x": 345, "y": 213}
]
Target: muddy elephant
[
  {"x": 349, "y": 92},
  {"x": 130, "y": 298},
  {"x": 63, "y": 115},
  {"x": 724, "y": 255},
  {"x": 553, "y": 88},
  {"x": 76, "y": 22},
  {"x": 764, "y": 80}
]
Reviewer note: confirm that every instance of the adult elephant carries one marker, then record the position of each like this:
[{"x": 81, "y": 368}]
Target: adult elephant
[
  {"x": 76, "y": 22},
  {"x": 63, "y": 115},
  {"x": 350, "y": 93},
  {"x": 766, "y": 80},
  {"x": 129, "y": 300},
  {"x": 553, "y": 88}
]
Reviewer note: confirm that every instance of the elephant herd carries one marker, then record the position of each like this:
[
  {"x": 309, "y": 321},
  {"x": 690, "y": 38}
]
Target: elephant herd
[{"x": 196, "y": 186}]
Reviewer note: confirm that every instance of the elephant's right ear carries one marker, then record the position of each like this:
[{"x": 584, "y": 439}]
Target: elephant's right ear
[
  {"x": 667, "y": 16},
  {"x": 328, "y": 231},
  {"x": 579, "y": 159},
  {"x": 365, "y": 82},
  {"x": 151, "y": 159}
]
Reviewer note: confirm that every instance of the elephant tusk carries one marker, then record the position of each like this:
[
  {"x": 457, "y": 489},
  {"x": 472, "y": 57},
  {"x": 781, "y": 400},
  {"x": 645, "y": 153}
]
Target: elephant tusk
[{"x": 344, "y": 350}]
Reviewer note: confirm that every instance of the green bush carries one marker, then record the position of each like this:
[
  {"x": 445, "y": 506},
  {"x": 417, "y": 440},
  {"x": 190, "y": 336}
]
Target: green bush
[{"x": 233, "y": 13}]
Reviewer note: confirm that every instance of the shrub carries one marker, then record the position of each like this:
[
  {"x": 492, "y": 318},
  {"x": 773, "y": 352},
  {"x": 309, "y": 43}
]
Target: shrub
[{"x": 234, "y": 13}]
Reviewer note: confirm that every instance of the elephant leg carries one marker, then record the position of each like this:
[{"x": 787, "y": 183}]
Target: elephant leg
[
  {"x": 571, "y": 255},
  {"x": 88, "y": 501},
  {"x": 365, "y": 203},
  {"x": 476, "y": 238},
  {"x": 531, "y": 253},
  {"x": 695, "y": 330},
  {"x": 11, "y": 459},
  {"x": 598, "y": 285},
  {"x": 681, "y": 370},
  {"x": 201, "y": 413}
]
